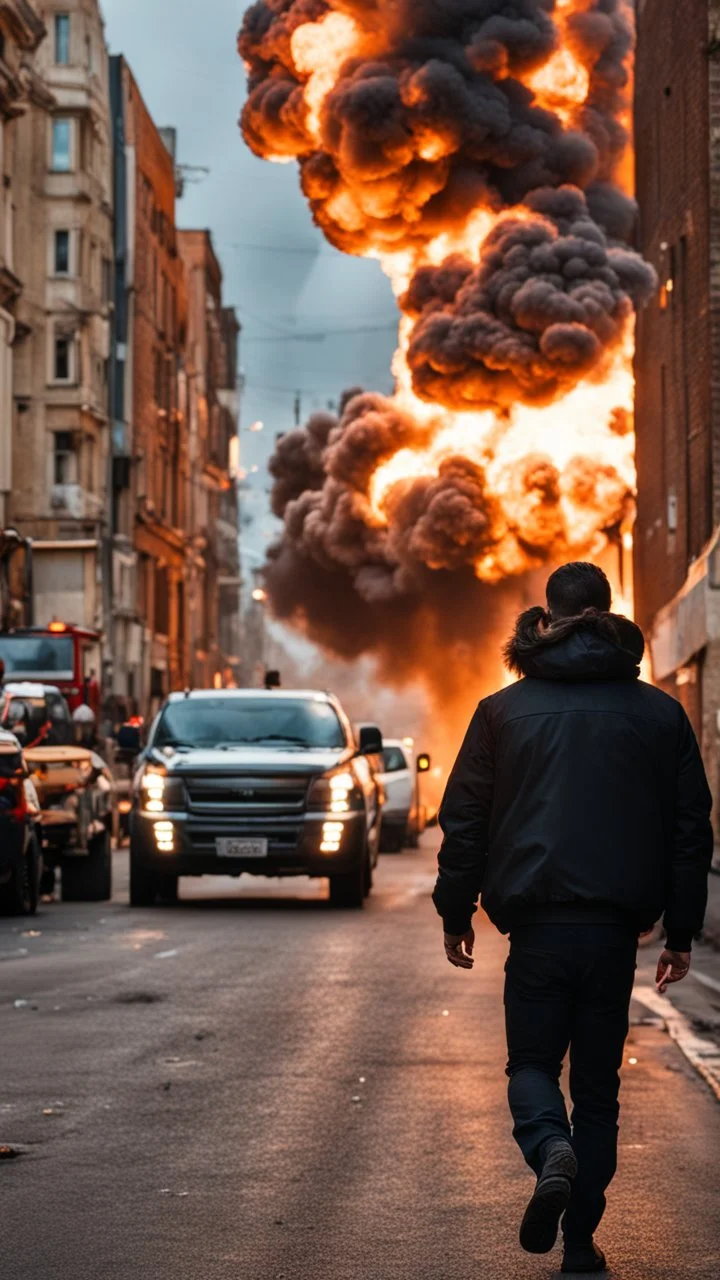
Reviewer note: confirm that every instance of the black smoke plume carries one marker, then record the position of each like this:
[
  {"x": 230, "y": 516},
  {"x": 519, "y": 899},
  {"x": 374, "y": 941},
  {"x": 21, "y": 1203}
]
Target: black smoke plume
[
  {"x": 546, "y": 307},
  {"x": 433, "y": 116}
]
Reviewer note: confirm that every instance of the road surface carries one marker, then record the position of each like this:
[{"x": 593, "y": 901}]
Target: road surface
[{"x": 251, "y": 1086}]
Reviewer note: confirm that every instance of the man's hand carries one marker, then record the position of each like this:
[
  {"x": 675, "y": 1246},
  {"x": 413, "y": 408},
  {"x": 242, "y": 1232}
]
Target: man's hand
[
  {"x": 673, "y": 966},
  {"x": 459, "y": 949}
]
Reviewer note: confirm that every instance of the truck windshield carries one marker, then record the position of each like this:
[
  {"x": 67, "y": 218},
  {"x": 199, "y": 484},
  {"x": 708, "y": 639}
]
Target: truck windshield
[
  {"x": 236, "y": 722},
  {"x": 31, "y": 656}
]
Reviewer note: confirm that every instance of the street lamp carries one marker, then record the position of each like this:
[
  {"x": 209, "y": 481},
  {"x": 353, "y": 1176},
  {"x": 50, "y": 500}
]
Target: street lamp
[{"x": 259, "y": 595}]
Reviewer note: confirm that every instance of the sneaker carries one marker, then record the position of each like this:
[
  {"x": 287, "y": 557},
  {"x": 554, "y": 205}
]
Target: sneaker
[
  {"x": 551, "y": 1198},
  {"x": 583, "y": 1259}
]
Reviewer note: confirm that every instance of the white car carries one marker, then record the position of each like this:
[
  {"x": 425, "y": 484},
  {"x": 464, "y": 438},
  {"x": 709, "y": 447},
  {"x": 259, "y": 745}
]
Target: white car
[{"x": 404, "y": 815}]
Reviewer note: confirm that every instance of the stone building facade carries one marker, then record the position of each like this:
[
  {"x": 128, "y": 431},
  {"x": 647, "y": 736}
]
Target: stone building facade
[
  {"x": 21, "y": 31},
  {"x": 677, "y": 561},
  {"x": 118, "y": 370},
  {"x": 63, "y": 247}
]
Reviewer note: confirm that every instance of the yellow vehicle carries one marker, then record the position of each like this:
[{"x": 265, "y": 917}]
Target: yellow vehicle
[{"x": 75, "y": 790}]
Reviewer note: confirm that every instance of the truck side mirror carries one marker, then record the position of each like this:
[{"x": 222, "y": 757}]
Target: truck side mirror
[
  {"x": 423, "y": 763},
  {"x": 371, "y": 740}
]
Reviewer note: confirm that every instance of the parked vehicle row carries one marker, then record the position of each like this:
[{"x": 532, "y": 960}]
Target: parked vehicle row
[
  {"x": 56, "y": 803},
  {"x": 267, "y": 782}
]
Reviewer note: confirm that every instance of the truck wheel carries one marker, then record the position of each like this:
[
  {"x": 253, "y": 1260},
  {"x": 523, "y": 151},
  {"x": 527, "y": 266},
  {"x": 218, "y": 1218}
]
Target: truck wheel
[
  {"x": 368, "y": 877},
  {"x": 19, "y": 897},
  {"x": 144, "y": 884},
  {"x": 351, "y": 889},
  {"x": 47, "y": 881},
  {"x": 34, "y": 873},
  {"x": 168, "y": 888},
  {"x": 412, "y": 839},
  {"x": 89, "y": 879}
]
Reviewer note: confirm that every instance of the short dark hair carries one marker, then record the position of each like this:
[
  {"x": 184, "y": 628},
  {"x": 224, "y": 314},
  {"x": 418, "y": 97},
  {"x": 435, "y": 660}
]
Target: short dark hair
[{"x": 576, "y": 587}]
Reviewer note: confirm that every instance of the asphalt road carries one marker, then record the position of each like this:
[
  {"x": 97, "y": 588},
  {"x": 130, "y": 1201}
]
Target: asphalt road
[{"x": 251, "y": 1086}]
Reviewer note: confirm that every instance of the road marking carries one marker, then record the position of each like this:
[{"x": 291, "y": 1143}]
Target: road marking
[
  {"x": 703, "y": 1055},
  {"x": 705, "y": 980},
  {"x": 165, "y": 955}
]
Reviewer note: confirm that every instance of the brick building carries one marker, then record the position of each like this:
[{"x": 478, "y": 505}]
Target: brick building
[
  {"x": 62, "y": 192},
  {"x": 677, "y": 560},
  {"x": 212, "y": 417},
  {"x": 150, "y": 455}
]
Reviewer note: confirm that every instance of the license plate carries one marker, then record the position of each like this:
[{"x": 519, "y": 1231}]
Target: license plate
[{"x": 229, "y": 847}]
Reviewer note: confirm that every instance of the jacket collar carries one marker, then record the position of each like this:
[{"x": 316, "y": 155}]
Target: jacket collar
[{"x": 592, "y": 646}]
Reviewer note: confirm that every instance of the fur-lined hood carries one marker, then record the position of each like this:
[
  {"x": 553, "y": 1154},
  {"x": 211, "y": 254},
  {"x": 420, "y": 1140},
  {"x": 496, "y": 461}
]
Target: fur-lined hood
[{"x": 592, "y": 646}]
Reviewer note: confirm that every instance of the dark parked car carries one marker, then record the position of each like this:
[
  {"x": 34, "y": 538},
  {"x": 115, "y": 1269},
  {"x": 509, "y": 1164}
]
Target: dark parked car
[
  {"x": 20, "y": 858},
  {"x": 272, "y": 782}
]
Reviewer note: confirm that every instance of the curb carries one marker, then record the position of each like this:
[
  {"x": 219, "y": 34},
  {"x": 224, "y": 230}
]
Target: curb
[{"x": 702, "y": 1054}]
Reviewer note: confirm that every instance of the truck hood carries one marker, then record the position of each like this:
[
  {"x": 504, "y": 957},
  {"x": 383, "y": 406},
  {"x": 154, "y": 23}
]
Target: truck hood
[{"x": 251, "y": 759}]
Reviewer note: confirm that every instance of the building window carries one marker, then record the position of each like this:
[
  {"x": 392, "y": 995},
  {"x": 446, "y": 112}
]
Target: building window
[
  {"x": 64, "y": 358},
  {"x": 107, "y": 280},
  {"x": 89, "y": 58},
  {"x": 62, "y": 39},
  {"x": 61, "y": 145},
  {"x": 62, "y": 253},
  {"x": 64, "y": 458}
]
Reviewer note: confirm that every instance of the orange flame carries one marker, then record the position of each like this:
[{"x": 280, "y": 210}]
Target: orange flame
[{"x": 318, "y": 48}]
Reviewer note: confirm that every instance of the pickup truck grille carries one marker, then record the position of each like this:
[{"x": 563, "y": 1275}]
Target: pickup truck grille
[{"x": 246, "y": 795}]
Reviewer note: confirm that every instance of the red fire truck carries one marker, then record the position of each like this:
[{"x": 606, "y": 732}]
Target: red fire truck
[{"x": 59, "y": 654}]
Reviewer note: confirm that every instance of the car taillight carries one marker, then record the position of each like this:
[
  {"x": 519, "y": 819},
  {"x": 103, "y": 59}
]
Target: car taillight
[{"x": 12, "y": 798}]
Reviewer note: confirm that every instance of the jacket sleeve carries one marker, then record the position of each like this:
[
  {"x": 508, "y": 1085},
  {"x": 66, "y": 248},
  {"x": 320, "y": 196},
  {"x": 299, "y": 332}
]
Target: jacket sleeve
[
  {"x": 465, "y": 822},
  {"x": 692, "y": 846}
]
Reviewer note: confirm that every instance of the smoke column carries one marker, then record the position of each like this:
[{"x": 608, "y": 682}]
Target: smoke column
[{"x": 480, "y": 150}]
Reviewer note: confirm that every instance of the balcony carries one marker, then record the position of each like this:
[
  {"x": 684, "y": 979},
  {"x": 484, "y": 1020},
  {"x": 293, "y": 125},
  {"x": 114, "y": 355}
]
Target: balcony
[{"x": 76, "y": 185}]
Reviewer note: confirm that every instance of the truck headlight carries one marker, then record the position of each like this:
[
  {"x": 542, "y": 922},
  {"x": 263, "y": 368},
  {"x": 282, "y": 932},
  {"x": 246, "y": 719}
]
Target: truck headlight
[
  {"x": 158, "y": 791},
  {"x": 336, "y": 792}
]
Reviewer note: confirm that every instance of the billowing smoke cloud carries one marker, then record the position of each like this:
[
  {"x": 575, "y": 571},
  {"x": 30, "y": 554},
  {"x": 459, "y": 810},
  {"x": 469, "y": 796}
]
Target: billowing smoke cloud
[
  {"x": 408, "y": 118},
  {"x": 432, "y": 113},
  {"x": 546, "y": 306},
  {"x": 449, "y": 520}
]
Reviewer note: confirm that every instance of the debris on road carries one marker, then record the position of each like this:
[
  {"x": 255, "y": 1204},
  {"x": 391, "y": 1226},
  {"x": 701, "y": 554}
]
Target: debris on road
[{"x": 139, "y": 997}]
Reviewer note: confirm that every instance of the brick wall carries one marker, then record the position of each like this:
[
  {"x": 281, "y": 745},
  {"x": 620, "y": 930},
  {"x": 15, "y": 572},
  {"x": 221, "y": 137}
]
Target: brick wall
[
  {"x": 674, "y": 356},
  {"x": 159, "y": 432}
]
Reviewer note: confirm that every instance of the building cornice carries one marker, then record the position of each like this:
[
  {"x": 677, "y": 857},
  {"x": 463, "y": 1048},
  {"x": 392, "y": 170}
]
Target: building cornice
[{"x": 24, "y": 24}]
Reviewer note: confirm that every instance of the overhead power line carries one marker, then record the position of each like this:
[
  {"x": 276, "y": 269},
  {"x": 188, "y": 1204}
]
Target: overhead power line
[{"x": 323, "y": 334}]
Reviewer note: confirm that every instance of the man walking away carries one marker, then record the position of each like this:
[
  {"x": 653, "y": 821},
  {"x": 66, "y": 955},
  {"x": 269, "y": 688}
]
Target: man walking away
[{"x": 579, "y": 809}]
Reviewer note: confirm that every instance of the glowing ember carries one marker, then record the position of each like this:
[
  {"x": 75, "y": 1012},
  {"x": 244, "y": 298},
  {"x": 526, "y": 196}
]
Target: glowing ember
[{"x": 561, "y": 85}]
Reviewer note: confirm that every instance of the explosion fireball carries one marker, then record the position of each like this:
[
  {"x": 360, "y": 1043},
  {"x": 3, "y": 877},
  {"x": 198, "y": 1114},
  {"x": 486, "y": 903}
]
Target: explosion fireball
[{"x": 480, "y": 150}]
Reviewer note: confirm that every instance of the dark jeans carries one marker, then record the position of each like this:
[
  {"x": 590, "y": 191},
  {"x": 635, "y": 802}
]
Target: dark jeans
[{"x": 569, "y": 986}]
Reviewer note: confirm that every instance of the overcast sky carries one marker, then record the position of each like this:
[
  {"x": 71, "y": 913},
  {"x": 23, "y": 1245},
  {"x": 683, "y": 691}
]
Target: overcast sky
[{"x": 279, "y": 272}]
